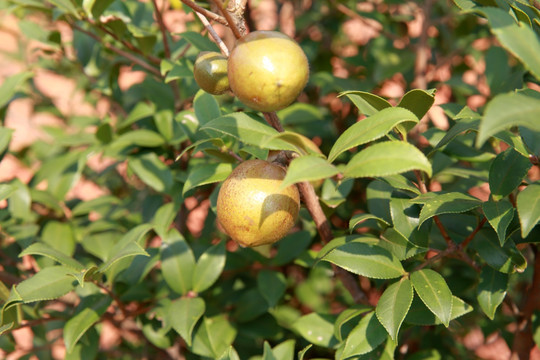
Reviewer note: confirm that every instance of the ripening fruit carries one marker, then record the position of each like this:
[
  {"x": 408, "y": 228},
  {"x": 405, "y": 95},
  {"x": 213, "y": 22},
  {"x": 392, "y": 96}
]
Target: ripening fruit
[
  {"x": 210, "y": 71},
  {"x": 267, "y": 70},
  {"x": 252, "y": 208}
]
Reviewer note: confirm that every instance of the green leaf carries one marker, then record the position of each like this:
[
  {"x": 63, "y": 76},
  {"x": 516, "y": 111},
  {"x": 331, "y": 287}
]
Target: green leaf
[
  {"x": 365, "y": 259},
  {"x": 419, "y": 314},
  {"x": 5, "y": 138},
  {"x": 206, "y": 107},
  {"x": 127, "y": 246},
  {"x": 371, "y": 128},
  {"x": 506, "y": 173},
  {"x": 528, "y": 207},
  {"x": 394, "y": 305},
  {"x": 140, "y": 111},
  {"x": 449, "y": 203},
  {"x": 272, "y": 286},
  {"x": 366, "y": 102},
  {"x": 246, "y": 129},
  {"x": 268, "y": 354},
  {"x": 506, "y": 259},
  {"x": 49, "y": 283},
  {"x": 417, "y": 101},
  {"x": 302, "y": 144},
  {"x": 357, "y": 219},
  {"x": 499, "y": 214},
  {"x": 206, "y": 174},
  {"x": 230, "y": 354},
  {"x": 177, "y": 262},
  {"x": 334, "y": 193},
  {"x": 89, "y": 312},
  {"x": 10, "y": 86},
  {"x": 181, "y": 68},
  {"x": 399, "y": 181},
  {"x": 6, "y": 190},
  {"x": 366, "y": 336},
  {"x": 209, "y": 267},
  {"x": 213, "y": 337},
  {"x": 460, "y": 126},
  {"x": 152, "y": 171},
  {"x": 507, "y": 110},
  {"x": 184, "y": 314},
  {"x": 200, "y": 42},
  {"x": 308, "y": 168},
  {"x": 345, "y": 318},
  {"x": 285, "y": 350},
  {"x": 142, "y": 137},
  {"x": 387, "y": 158},
  {"x": 434, "y": 292},
  {"x": 164, "y": 217},
  {"x": 317, "y": 328},
  {"x": 393, "y": 241},
  {"x": 20, "y": 200},
  {"x": 303, "y": 352},
  {"x": 44, "y": 249},
  {"x": 518, "y": 38},
  {"x": 491, "y": 290}
]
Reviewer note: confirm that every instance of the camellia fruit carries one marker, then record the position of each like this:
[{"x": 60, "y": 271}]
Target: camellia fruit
[
  {"x": 210, "y": 71},
  {"x": 267, "y": 70},
  {"x": 252, "y": 208}
]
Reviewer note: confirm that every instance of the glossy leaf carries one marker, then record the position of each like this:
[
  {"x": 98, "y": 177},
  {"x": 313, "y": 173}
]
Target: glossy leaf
[
  {"x": 308, "y": 168},
  {"x": 89, "y": 312},
  {"x": 449, "y": 203},
  {"x": 399, "y": 245},
  {"x": 346, "y": 317},
  {"x": 366, "y": 336},
  {"x": 366, "y": 102},
  {"x": 213, "y": 337},
  {"x": 127, "y": 246},
  {"x": 272, "y": 286},
  {"x": 360, "y": 218},
  {"x": 152, "y": 171},
  {"x": 246, "y": 129},
  {"x": 206, "y": 174},
  {"x": 515, "y": 37},
  {"x": 499, "y": 214},
  {"x": 419, "y": 314},
  {"x": 316, "y": 328},
  {"x": 506, "y": 259},
  {"x": 365, "y": 259},
  {"x": 434, "y": 292},
  {"x": 387, "y": 158},
  {"x": 43, "y": 249},
  {"x": 394, "y": 305},
  {"x": 506, "y": 173},
  {"x": 417, "y": 101},
  {"x": 491, "y": 290},
  {"x": 528, "y": 207},
  {"x": 184, "y": 314},
  {"x": 209, "y": 267},
  {"x": 371, "y": 128},
  {"x": 177, "y": 262},
  {"x": 507, "y": 110}
]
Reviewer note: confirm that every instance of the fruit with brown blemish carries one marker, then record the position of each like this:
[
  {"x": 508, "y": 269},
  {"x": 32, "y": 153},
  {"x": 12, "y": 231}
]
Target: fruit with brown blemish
[{"x": 251, "y": 206}]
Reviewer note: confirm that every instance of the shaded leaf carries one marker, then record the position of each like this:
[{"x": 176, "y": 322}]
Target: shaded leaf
[
  {"x": 127, "y": 246},
  {"x": 365, "y": 259},
  {"x": 272, "y": 286},
  {"x": 506, "y": 172},
  {"x": 213, "y": 337},
  {"x": 209, "y": 267},
  {"x": 419, "y": 314},
  {"x": 387, "y": 158},
  {"x": 345, "y": 318},
  {"x": 184, "y": 314},
  {"x": 434, "y": 292},
  {"x": 418, "y": 101},
  {"x": 459, "y": 127},
  {"x": 366, "y": 102},
  {"x": 206, "y": 174},
  {"x": 369, "y": 129},
  {"x": 399, "y": 245},
  {"x": 316, "y": 328},
  {"x": 199, "y": 41},
  {"x": 177, "y": 262},
  {"x": 528, "y": 207},
  {"x": 357, "y": 219},
  {"x": 505, "y": 258},
  {"x": 499, "y": 214},
  {"x": 394, "y": 305},
  {"x": 140, "y": 111},
  {"x": 152, "y": 171},
  {"x": 308, "y": 168},
  {"x": 206, "y": 107},
  {"x": 10, "y": 86},
  {"x": 491, "y": 290},
  {"x": 44, "y": 249},
  {"x": 366, "y": 336}
]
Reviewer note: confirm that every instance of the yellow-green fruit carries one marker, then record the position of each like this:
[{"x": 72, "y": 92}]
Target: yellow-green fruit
[
  {"x": 210, "y": 71},
  {"x": 252, "y": 208},
  {"x": 267, "y": 70}
]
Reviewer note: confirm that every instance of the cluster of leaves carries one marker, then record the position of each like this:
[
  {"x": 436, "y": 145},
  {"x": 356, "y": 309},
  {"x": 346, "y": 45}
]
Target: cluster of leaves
[{"x": 129, "y": 257}]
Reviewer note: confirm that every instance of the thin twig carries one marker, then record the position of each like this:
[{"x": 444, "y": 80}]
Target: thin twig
[
  {"x": 224, "y": 49},
  {"x": 210, "y": 15},
  {"x": 230, "y": 20},
  {"x": 471, "y": 236},
  {"x": 120, "y": 52}
]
